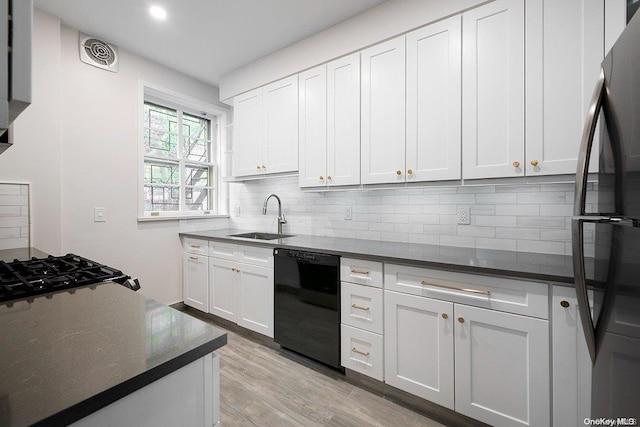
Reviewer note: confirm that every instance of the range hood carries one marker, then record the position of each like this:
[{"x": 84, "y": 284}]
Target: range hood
[{"x": 16, "y": 21}]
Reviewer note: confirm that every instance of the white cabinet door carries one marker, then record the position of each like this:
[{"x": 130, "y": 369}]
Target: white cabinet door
[
  {"x": 571, "y": 362},
  {"x": 195, "y": 286},
  {"x": 434, "y": 55},
  {"x": 312, "y": 120},
  {"x": 502, "y": 367},
  {"x": 247, "y": 133},
  {"x": 223, "y": 282},
  {"x": 383, "y": 112},
  {"x": 343, "y": 120},
  {"x": 280, "y": 126},
  {"x": 418, "y": 334},
  {"x": 493, "y": 82},
  {"x": 565, "y": 46},
  {"x": 255, "y": 298}
]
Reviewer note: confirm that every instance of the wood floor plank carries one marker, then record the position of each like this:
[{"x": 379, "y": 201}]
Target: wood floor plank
[{"x": 263, "y": 386}]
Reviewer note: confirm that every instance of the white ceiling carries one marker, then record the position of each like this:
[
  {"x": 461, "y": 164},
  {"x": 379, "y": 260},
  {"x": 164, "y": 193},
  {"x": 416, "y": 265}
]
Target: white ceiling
[{"x": 204, "y": 38}]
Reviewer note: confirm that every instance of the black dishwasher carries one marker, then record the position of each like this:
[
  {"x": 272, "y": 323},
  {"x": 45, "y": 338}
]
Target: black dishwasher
[{"x": 307, "y": 304}]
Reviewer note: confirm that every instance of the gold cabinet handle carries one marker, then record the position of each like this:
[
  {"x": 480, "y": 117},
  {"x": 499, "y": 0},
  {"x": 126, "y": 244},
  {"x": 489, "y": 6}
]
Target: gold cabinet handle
[
  {"x": 360, "y": 273},
  {"x": 565, "y": 304},
  {"x": 358, "y": 307},
  {"x": 321, "y": 177},
  {"x": 329, "y": 177},
  {"x": 534, "y": 163},
  {"x": 193, "y": 258},
  {"x": 516, "y": 164},
  {"x": 461, "y": 319},
  {"x": 409, "y": 171},
  {"x": 456, "y": 288},
  {"x": 355, "y": 350},
  {"x": 398, "y": 172},
  {"x": 445, "y": 316},
  {"x": 195, "y": 246}
]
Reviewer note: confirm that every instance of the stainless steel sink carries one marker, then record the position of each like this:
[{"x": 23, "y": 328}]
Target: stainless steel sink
[{"x": 261, "y": 236}]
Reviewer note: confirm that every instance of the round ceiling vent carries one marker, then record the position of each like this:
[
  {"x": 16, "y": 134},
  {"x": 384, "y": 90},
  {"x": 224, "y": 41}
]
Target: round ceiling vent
[{"x": 98, "y": 53}]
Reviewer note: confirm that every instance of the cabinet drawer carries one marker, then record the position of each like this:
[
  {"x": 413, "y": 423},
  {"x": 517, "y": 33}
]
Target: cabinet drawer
[
  {"x": 361, "y": 307},
  {"x": 362, "y": 352},
  {"x": 496, "y": 293},
  {"x": 361, "y": 272},
  {"x": 255, "y": 255},
  {"x": 222, "y": 250},
  {"x": 196, "y": 246}
]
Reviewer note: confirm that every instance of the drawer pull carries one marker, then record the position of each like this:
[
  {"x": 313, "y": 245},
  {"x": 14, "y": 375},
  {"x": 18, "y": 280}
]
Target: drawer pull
[
  {"x": 456, "y": 288},
  {"x": 193, "y": 258},
  {"x": 360, "y": 307},
  {"x": 355, "y": 350},
  {"x": 364, "y": 273},
  {"x": 195, "y": 246}
]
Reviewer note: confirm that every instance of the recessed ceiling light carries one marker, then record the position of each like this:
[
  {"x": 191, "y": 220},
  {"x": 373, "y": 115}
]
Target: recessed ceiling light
[{"x": 158, "y": 13}]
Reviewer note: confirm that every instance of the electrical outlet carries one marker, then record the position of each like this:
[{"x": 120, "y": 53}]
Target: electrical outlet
[
  {"x": 348, "y": 213},
  {"x": 99, "y": 214},
  {"x": 463, "y": 215},
  {"x": 238, "y": 210}
]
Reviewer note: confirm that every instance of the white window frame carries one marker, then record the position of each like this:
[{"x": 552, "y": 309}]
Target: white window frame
[{"x": 218, "y": 114}]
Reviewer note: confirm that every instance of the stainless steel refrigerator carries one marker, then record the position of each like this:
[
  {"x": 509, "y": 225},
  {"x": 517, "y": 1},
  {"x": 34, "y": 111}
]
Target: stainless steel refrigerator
[{"x": 609, "y": 294}]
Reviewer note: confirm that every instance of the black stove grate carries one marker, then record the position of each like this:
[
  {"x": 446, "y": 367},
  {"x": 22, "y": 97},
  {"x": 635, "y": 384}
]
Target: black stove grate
[{"x": 23, "y": 279}]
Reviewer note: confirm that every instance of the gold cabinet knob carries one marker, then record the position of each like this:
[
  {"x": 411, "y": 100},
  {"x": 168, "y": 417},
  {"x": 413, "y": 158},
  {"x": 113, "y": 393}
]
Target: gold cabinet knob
[
  {"x": 445, "y": 316},
  {"x": 534, "y": 163},
  {"x": 328, "y": 176},
  {"x": 321, "y": 177},
  {"x": 233, "y": 269},
  {"x": 516, "y": 164},
  {"x": 263, "y": 167},
  {"x": 398, "y": 172},
  {"x": 565, "y": 304},
  {"x": 410, "y": 171},
  {"x": 461, "y": 319},
  {"x": 258, "y": 167}
]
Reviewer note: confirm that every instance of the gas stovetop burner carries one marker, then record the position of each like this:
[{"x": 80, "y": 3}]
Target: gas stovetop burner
[{"x": 23, "y": 279}]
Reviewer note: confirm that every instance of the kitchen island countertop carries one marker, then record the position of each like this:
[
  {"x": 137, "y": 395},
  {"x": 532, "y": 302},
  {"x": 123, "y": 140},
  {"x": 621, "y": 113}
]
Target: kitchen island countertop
[
  {"x": 524, "y": 265},
  {"x": 67, "y": 354}
]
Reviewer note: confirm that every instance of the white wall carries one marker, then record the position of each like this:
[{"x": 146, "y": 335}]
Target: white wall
[
  {"x": 384, "y": 21},
  {"x": 77, "y": 144}
]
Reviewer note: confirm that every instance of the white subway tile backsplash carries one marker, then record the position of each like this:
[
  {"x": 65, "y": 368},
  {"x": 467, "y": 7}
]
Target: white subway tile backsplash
[
  {"x": 14, "y": 216},
  {"x": 528, "y": 217}
]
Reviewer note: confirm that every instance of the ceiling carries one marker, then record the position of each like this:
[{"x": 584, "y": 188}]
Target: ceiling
[{"x": 204, "y": 39}]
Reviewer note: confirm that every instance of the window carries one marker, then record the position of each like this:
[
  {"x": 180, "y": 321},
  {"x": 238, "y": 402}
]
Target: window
[{"x": 180, "y": 159}]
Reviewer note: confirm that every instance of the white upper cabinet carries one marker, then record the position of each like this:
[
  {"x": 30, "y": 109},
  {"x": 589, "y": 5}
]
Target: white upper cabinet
[
  {"x": 434, "y": 89},
  {"x": 383, "y": 112},
  {"x": 280, "y": 126},
  {"x": 266, "y": 129},
  {"x": 343, "y": 121},
  {"x": 565, "y": 46},
  {"x": 493, "y": 84},
  {"x": 312, "y": 118},
  {"x": 329, "y": 116},
  {"x": 247, "y": 144}
]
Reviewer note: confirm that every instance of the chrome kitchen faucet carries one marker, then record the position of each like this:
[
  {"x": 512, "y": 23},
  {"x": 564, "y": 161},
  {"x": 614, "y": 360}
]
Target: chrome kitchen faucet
[{"x": 281, "y": 218}]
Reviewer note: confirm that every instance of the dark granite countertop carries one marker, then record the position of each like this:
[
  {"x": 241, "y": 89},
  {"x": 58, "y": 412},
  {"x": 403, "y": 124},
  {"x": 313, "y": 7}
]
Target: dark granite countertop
[
  {"x": 534, "y": 266},
  {"x": 21, "y": 254},
  {"x": 67, "y": 354}
]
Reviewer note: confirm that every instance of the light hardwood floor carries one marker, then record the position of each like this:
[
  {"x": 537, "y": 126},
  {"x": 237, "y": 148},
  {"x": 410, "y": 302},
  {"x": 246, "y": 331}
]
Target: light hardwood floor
[{"x": 263, "y": 386}]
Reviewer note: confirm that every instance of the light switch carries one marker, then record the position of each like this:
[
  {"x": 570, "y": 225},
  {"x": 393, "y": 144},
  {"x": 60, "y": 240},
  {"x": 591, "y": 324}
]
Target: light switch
[{"x": 99, "y": 214}]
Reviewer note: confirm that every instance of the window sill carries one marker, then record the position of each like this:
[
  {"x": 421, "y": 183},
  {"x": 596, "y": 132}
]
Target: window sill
[{"x": 178, "y": 217}]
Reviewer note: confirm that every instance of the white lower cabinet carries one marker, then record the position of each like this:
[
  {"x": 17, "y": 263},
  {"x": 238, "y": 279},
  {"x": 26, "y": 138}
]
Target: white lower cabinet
[
  {"x": 195, "y": 288},
  {"x": 241, "y": 286},
  {"x": 571, "y": 362},
  {"x": 254, "y": 303},
  {"x": 362, "y": 351},
  {"x": 501, "y": 367},
  {"x": 489, "y": 365},
  {"x": 419, "y": 346}
]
